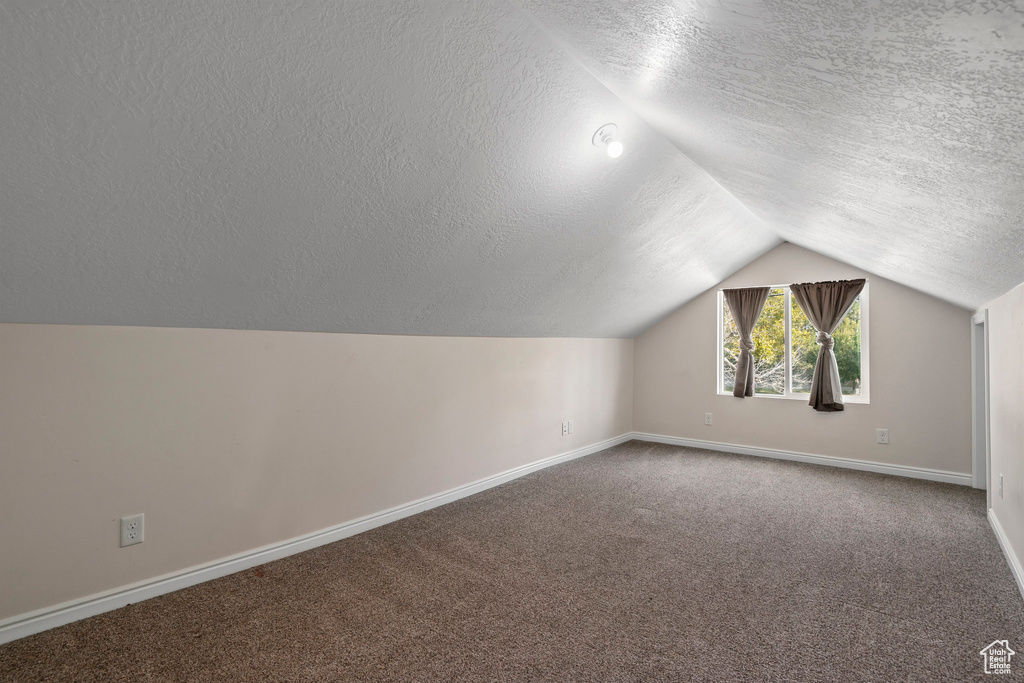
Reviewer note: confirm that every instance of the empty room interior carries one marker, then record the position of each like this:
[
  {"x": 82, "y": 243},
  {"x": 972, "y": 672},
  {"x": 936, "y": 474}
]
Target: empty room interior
[{"x": 511, "y": 340}]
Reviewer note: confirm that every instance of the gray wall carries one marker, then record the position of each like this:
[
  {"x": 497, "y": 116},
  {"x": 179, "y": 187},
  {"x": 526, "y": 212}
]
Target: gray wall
[
  {"x": 920, "y": 377},
  {"x": 232, "y": 440},
  {"x": 1006, "y": 395}
]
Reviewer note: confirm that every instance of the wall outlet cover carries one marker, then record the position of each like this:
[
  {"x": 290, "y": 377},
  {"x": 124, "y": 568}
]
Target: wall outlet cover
[{"x": 132, "y": 530}]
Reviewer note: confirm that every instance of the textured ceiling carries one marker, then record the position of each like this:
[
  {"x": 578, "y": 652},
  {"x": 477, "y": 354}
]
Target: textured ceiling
[
  {"x": 427, "y": 168},
  {"x": 412, "y": 168},
  {"x": 888, "y": 134}
]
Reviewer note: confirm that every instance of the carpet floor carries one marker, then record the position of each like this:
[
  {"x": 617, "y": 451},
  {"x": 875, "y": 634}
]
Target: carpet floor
[{"x": 645, "y": 562}]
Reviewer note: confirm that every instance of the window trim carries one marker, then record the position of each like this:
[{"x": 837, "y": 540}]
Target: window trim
[{"x": 789, "y": 394}]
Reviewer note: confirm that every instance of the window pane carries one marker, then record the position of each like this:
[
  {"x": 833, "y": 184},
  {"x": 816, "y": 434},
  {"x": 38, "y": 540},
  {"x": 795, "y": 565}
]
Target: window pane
[
  {"x": 730, "y": 348},
  {"x": 804, "y": 340},
  {"x": 847, "y": 350},
  {"x": 769, "y": 347}
]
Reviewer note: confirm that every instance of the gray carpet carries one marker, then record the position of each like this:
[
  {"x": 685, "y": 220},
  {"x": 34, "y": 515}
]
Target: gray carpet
[{"x": 641, "y": 563}]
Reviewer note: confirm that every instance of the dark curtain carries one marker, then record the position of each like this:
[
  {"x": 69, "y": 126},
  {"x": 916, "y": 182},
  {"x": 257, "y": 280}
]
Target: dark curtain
[
  {"x": 826, "y": 304},
  {"x": 746, "y": 305}
]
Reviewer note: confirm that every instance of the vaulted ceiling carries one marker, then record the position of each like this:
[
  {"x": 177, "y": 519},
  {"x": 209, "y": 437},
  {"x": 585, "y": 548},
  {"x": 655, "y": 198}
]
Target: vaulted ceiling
[
  {"x": 888, "y": 134},
  {"x": 427, "y": 168}
]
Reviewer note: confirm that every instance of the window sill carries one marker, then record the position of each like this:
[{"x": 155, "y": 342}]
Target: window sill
[{"x": 847, "y": 400}]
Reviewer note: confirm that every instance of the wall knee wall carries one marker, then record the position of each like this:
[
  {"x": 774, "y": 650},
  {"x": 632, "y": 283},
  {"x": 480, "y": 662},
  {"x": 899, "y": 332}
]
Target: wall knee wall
[{"x": 231, "y": 440}]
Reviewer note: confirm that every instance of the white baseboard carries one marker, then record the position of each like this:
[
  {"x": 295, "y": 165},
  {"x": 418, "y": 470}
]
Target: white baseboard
[
  {"x": 865, "y": 465},
  {"x": 1004, "y": 543},
  {"x": 58, "y": 615}
]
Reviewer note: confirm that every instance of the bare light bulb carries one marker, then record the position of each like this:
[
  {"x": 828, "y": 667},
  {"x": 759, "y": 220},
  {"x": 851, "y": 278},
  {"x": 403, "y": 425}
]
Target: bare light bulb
[{"x": 605, "y": 135}]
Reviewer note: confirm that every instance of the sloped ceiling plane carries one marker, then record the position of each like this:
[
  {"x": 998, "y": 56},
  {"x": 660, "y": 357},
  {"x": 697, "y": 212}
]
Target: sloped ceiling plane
[{"x": 428, "y": 167}]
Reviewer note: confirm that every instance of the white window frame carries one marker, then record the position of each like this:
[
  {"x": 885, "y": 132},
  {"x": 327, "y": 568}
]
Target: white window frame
[{"x": 789, "y": 394}]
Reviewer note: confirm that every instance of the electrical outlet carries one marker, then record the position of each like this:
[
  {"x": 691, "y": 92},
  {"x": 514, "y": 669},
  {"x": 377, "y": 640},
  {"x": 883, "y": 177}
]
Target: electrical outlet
[
  {"x": 131, "y": 530},
  {"x": 565, "y": 428},
  {"x": 1000, "y": 486},
  {"x": 570, "y": 426},
  {"x": 883, "y": 436},
  {"x": 708, "y": 419}
]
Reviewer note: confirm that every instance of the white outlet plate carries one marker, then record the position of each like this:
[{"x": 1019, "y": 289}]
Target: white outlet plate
[
  {"x": 883, "y": 436},
  {"x": 570, "y": 426},
  {"x": 708, "y": 419},
  {"x": 565, "y": 428},
  {"x": 132, "y": 530},
  {"x": 1000, "y": 486}
]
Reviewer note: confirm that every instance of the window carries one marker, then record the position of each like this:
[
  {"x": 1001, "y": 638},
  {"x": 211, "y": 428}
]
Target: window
[{"x": 786, "y": 349}]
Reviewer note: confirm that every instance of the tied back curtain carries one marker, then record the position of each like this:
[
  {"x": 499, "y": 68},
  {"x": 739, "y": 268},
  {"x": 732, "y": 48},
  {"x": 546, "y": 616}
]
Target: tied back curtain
[
  {"x": 826, "y": 304},
  {"x": 746, "y": 305}
]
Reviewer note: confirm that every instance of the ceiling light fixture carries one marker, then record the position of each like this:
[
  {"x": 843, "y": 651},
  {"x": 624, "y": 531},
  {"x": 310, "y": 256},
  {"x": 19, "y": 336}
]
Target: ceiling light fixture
[{"x": 605, "y": 135}]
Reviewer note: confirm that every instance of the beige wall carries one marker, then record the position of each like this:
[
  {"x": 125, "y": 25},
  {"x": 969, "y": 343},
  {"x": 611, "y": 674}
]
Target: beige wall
[
  {"x": 230, "y": 440},
  {"x": 1006, "y": 416},
  {"x": 920, "y": 377}
]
